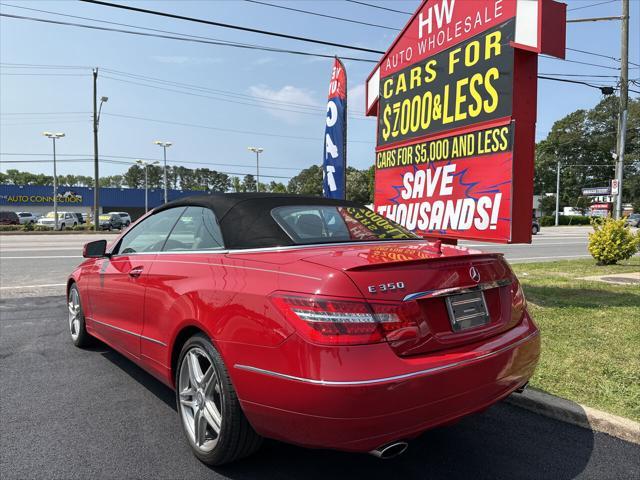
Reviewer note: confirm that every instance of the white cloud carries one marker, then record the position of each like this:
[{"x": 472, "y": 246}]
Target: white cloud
[
  {"x": 183, "y": 60},
  {"x": 283, "y": 98}
]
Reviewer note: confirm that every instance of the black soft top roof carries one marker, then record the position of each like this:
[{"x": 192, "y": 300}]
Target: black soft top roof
[{"x": 245, "y": 218}]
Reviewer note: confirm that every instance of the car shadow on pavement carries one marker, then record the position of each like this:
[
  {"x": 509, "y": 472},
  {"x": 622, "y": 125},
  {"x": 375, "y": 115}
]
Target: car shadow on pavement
[
  {"x": 159, "y": 389},
  {"x": 505, "y": 441}
]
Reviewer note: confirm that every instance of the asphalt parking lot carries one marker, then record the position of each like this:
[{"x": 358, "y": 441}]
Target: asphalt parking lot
[{"x": 70, "y": 413}]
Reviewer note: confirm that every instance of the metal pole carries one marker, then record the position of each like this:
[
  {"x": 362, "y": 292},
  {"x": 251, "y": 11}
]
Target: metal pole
[
  {"x": 55, "y": 185},
  {"x": 624, "y": 101},
  {"x": 146, "y": 190},
  {"x": 258, "y": 170},
  {"x": 558, "y": 196},
  {"x": 96, "y": 174},
  {"x": 164, "y": 148}
]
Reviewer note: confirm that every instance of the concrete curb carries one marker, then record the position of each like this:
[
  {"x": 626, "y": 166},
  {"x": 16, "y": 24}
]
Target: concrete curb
[{"x": 576, "y": 414}]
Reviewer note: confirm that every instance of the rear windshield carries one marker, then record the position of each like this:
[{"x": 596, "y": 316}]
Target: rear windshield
[{"x": 328, "y": 224}]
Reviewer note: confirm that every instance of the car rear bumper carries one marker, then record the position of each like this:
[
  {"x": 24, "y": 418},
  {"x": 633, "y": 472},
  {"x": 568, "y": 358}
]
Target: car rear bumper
[{"x": 360, "y": 414}]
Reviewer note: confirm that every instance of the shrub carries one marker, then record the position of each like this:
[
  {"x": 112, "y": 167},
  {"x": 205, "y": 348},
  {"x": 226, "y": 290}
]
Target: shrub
[
  {"x": 612, "y": 241},
  {"x": 550, "y": 220},
  {"x": 10, "y": 228},
  {"x": 27, "y": 227},
  {"x": 41, "y": 228}
]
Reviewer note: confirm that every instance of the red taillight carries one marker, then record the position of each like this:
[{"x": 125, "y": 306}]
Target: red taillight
[{"x": 333, "y": 321}]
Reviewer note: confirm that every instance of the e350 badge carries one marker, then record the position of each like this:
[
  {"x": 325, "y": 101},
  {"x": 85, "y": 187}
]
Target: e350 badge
[{"x": 385, "y": 287}]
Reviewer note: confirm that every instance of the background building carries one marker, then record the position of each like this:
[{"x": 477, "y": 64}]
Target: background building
[{"x": 39, "y": 199}]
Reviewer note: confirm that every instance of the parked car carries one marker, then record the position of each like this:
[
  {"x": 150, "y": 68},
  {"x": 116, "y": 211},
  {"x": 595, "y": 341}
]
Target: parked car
[
  {"x": 110, "y": 221},
  {"x": 65, "y": 220},
  {"x": 633, "y": 220},
  {"x": 308, "y": 320},
  {"x": 79, "y": 217},
  {"x": 27, "y": 217},
  {"x": 9, "y": 218},
  {"x": 126, "y": 218}
]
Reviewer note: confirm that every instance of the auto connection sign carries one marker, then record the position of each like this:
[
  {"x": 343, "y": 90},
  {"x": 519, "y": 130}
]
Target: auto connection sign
[{"x": 455, "y": 97}]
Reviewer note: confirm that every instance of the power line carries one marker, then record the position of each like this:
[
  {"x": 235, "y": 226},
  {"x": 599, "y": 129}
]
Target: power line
[
  {"x": 256, "y": 101},
  {"x": 10, "y": 154},
  {"x": 586, "y": 52},
  {"x": 589, "y": 6},
  {"x": 232, "y": 27},
  {"x": 185, "y": 38},
  {"x": 580, "y": 63},
  {"x": 229, "y": 130},
  {"x": 342, "y": 19},
  {"x": 379, "y": 7},
  {"x": 227, "y": 100},
  {"x": 116, "y": 162},
  {"x": 570, "y": 81}
]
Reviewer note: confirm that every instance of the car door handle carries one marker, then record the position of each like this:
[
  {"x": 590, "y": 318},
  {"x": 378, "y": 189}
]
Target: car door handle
[{"x": 135, "y": 272}]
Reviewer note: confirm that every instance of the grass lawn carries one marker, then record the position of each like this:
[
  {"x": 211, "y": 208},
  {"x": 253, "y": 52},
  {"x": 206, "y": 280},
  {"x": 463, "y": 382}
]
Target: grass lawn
[{"x": 590, "y": 333}]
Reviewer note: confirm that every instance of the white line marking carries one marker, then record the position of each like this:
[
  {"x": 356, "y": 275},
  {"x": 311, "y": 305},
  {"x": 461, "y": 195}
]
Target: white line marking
[
  {"x": 34, "y": 286},
  {"x": 50, "y": 256}
]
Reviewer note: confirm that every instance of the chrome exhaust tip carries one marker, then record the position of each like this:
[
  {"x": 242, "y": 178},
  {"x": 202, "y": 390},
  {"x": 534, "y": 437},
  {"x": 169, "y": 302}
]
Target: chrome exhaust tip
[
  {"x": 522, "y": 388},
  {"x": 390, "y": 450}
]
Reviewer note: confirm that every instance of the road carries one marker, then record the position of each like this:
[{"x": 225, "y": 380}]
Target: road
[
  {"x": 39, "y": 264},
  {"x": 68, "y": 413}
]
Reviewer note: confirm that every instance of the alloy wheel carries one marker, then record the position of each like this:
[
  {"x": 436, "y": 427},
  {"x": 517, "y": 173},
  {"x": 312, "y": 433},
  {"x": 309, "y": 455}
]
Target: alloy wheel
[
  {"x": 200, "y": 399},
  {"x": 74, "y": 314}
]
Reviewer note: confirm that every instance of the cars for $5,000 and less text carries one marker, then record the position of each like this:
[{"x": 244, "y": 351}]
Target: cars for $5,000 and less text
[{"x": 307, "y": 320}]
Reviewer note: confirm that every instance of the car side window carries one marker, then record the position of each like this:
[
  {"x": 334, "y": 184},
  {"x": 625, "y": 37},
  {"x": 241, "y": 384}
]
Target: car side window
[
  {"x": 196, "y": 229},
  {"x": 150, "y": 234}
]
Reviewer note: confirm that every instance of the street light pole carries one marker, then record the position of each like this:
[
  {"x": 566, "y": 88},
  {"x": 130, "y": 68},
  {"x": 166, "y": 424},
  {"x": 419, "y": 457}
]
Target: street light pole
[
  {"x": 54, "y": 137},
  {"x": 257, "y": 151},
  {"x": 145, "y": 165},
  {"x": 164, "y": 146}
]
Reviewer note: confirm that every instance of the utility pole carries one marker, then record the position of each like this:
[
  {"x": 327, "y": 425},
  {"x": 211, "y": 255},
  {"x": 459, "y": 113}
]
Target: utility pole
[
  {"x": 558, "y": 195},
  {"x": 96, "y": 173},
  {"x": 624, "y": 101}
]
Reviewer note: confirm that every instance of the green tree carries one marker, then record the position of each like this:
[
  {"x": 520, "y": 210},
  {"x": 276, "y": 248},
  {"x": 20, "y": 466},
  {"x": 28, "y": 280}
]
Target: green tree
[
  {"x": 583, "y": 141},
  {"x": 237, "y": 185},
  {"x": 277, "y": 187},
  {"x": 134, "y": 177},
  {"x": 249, "y": 183},
  {"x": 548, "y": 204},
  {"x": 358, "y": 185},
  {"x": 307, "y": 182}
]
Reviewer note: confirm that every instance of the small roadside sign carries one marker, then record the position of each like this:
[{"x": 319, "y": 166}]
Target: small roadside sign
[{"x": 615, "y": 187}]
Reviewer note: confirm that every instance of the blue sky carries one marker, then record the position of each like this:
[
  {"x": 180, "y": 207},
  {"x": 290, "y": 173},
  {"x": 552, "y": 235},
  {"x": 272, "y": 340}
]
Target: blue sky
[{"x": 260, "y": 79}]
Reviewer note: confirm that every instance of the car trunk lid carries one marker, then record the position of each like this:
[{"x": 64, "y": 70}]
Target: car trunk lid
[{"x": 437, "y": 285}]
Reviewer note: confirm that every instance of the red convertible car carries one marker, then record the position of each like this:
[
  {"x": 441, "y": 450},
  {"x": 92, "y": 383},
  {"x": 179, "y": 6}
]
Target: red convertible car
[{"x": 307, "y": 320}]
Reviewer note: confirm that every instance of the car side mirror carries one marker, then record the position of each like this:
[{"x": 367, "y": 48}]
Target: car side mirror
[{"x": 95, "y": 249}]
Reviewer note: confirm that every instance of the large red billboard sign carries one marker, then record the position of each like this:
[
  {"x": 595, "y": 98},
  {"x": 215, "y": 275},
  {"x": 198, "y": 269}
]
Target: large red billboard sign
[{"x": 455, "y": 97}]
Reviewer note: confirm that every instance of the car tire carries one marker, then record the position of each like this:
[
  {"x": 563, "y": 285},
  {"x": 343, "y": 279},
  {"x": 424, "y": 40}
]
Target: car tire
[
  {"x": 62, "y": 227},
  {"x": 75, "y": 224},
  {"x": 77, "y": 328},
  {"x": 208, "y": 408},
  {"x": 534, "y": 230}
]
